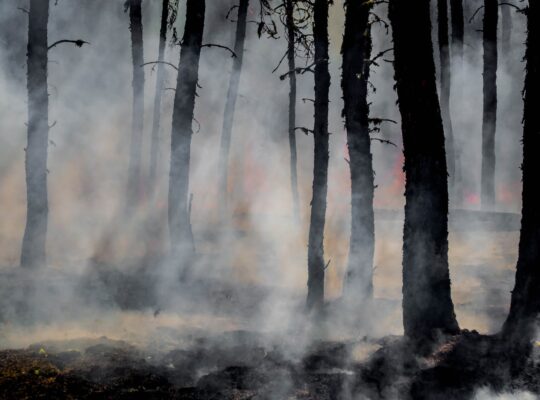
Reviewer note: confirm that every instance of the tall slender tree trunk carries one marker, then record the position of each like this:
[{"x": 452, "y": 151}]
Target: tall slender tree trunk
[
  {"x": 520, "y": 325},
  {"x": 134, "y": 189},
  {"x": 154, "y": 145},
  {"x": 316, "y": 265},
  {"x": 427, "y": 302},
  {"x": 228, "y": 117},
  {"x": 444, "y": 53},
  {"x": 289, "y": 10},
  {"x": 458, "y": 28},
  {"x": 182, "y": 249},
  {"x": 356, "y": 50},
  {"x": 489, "y": 122},
  {"x": 458, "y": 32},
  {"x": 33, "y": 252}
]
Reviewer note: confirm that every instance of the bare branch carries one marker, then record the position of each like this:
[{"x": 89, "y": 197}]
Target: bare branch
[
  {"x": 160, "y": 62},
  {"x": 233, "y": 54},
  {"x": 474, "y": 15},
  {"x": 78, "y": 43},
  {"x": 384, "y": 141},
  {"x": 304, "y": 130}
]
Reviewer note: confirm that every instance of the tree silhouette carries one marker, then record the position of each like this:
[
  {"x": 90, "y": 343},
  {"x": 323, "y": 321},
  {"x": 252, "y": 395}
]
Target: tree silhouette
[
  {"x": 232, "y": 95},
  {"x": 519, "y": 328},
  {"x": 134, "y": 189},
  {"x": 182, "y": 248},
  {"x": 427, "y": 304},
  {"x": 489, "y": 121},
  {"x": 356, "y": 50},
  {"x": 444, "y": 54},
  {"x": 33, "y": 252},
  {"x": 316, "y": 264},
  {"x": 160, "y": 78}
]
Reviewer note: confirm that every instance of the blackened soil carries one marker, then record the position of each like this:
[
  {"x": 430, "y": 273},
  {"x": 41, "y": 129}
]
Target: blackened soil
[{"x": 108, "y": 369}]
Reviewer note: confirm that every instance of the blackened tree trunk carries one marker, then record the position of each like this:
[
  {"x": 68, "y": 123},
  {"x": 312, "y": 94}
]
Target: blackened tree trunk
[
  {"x": 427, "y": 302},
  {"x": 489, "y": 122},
  {"x": 184, "y": 104},
  {"x": 232, "y": 95},
  {"x": 525, "y": 306},
  {"x": 458, "y": 31},
  {"x": 356, "y": 50},
  {"x": 33, "y": 253},
  {"x": 444, "y": 53},
  {"x": 134, "y": 189},
  {"x": 154, "y": 145},
  {"x": 316, "y": 265},
  {"x": 289, "y": 10}
]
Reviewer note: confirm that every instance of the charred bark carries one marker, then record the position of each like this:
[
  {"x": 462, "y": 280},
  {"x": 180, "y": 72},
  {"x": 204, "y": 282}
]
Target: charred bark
[
  {"x": 182, "y": 249},
  {"x": 489, "y": 121},
  {"x": 316, "y": 265},
  {"x": 356, "y": 50},
  {"x": 525, "y": 305},
  {"x": 33, "y": 252},
  {"x": 160, "y": 77},
  {"x": 458, "y": 32},
  {"x": 134, "y": 172},
  {"x": 458, "y": 28},
  {"x": 289, "y": 10},
  {"x": 444, "y": 54},
  {"x": 230, "y": 105},
  {"x": 427, "y": 302}
]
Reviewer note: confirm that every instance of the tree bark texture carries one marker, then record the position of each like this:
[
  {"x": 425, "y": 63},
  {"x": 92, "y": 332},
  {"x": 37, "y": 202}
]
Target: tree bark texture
[
  {"x": 356, "y": 50},
  {"x": 33, "y": 252},
  {"x": 316, "y": 264},
  {"x": 182, "y": 248},
  {"x": 427, "y": 303},
  {"x": 525, "y": 305}
]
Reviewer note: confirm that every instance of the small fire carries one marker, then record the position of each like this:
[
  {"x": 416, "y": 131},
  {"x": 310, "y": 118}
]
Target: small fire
[{"x": 472, "y": 199}]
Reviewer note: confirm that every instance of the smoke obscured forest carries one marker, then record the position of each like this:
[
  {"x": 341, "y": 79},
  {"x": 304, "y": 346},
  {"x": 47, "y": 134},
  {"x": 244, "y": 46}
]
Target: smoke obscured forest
[{"x": 183, "y": 257}]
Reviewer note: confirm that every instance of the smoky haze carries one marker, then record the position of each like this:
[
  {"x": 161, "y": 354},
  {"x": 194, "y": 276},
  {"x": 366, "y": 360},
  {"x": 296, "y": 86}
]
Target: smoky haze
[{"x": 253, "y": 276}]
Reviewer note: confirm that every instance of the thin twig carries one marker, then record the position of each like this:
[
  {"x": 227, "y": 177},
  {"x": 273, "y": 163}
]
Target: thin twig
[
  {"x": 233, "y": 54},
  {"x": 160, "y": 62}
]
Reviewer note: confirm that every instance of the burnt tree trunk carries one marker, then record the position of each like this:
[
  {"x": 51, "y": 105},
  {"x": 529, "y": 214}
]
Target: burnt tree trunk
[
  {"x": 356, "y": 50},
  {"x": 427, "y": 302},
  {"x": 458, "y": 32},
  {"x": 489, "y": 122},
  {"x": 316, "y": 265},
  {"x": 33, "y": 252},
  {"x": 182, "y": 249},
  {"x": 458, "y": 29},
  {"x": 134, "y": 172},
  {"x": 525, "y": 306},
  {"x": 154, "y": 145},
  {"x": 228, "y": 117},
  {"x": 444, "y": 53},
  {"x": 289, "y": 10}
]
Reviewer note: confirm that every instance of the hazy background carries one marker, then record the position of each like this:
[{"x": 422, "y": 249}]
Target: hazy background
[{"x": 90, "y": 100}]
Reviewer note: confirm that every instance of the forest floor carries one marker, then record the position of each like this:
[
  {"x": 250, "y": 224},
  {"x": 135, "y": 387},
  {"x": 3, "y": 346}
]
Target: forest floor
[
  {"x": 239, "y": 366},
  {"x": 107, "y": 333}
]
